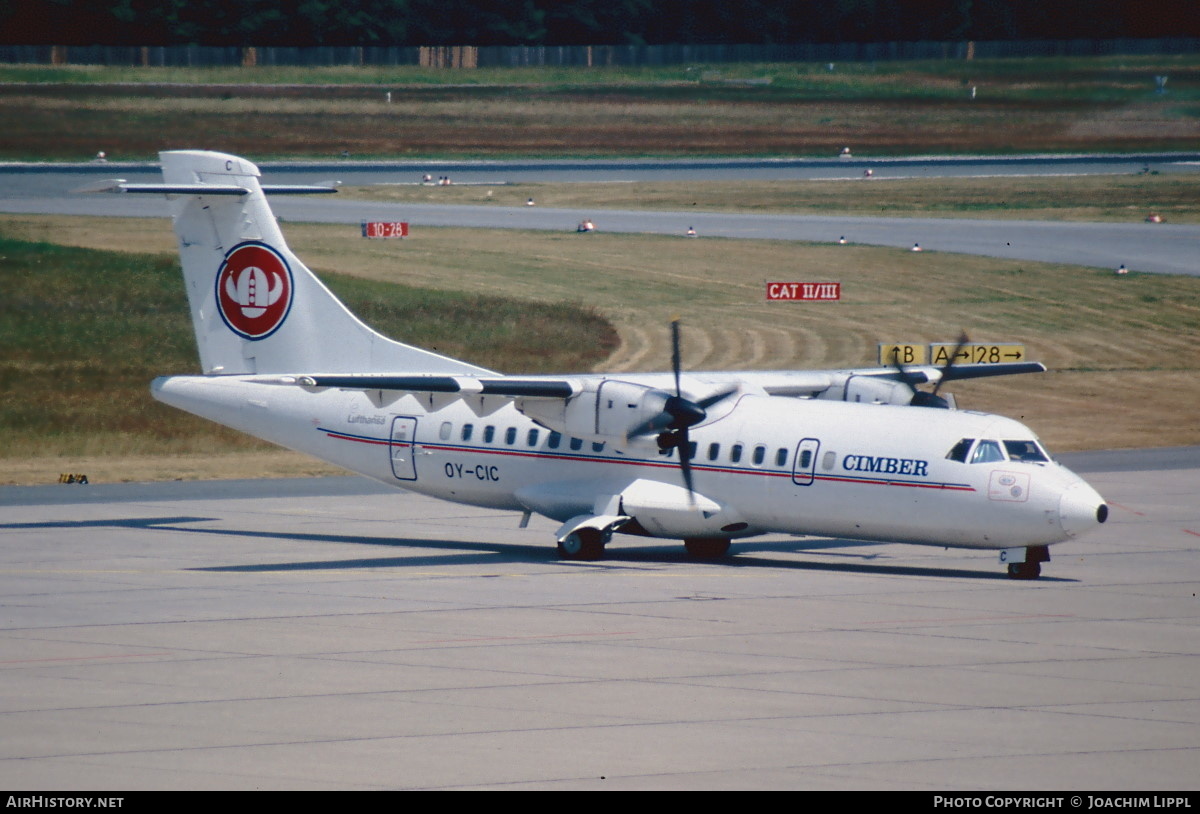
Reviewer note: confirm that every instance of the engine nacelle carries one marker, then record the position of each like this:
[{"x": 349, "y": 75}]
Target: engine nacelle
[
  {"x": 606, "y": 410},
  {"x": 667, "y": 510},
  {"x": 870, "y": 390}
]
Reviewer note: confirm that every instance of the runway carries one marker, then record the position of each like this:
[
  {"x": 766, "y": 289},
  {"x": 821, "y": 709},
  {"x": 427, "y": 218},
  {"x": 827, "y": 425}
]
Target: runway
[
  {"x": 1160, "y": 248},
  {"x": 329, "y": 634}
]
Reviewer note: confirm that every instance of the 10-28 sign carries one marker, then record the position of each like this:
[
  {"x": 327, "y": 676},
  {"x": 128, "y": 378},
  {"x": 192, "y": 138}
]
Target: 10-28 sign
[{"x": 377, "y": 228}]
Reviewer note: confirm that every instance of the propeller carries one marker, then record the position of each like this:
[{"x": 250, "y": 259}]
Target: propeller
[
  {"x": 921, "y": 398},
  {"x": 963, "y": 339},
  {"x": 678, "y": 415}
]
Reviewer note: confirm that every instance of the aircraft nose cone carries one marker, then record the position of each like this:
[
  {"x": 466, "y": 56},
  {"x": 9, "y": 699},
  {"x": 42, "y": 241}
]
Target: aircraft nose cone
[{"x": 1081, "y": 509}]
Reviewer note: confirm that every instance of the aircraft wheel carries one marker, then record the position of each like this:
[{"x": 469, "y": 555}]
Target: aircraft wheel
[
  {"x": 585, "y": 544},
  {"x": 706, "y": 548},
  {"x": 1024, "y": 570}
]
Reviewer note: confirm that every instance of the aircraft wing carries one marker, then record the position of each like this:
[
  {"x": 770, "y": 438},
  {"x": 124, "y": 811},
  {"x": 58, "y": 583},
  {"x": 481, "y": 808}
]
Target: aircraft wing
[
  {"x": 464, "y": 385},
  {"x": 983, "y": 371},
  {"x": 800, "y": 384},
  {"x": 815, "y": 383},
  {"x": 643, "y": 405}
]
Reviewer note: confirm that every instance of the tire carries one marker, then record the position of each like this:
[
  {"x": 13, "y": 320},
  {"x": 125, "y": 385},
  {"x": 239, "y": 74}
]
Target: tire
[
  {"x": 707, "y": 548},
  {"x": 584, "y": 544},
  {"x": 1024, "y": 570}
]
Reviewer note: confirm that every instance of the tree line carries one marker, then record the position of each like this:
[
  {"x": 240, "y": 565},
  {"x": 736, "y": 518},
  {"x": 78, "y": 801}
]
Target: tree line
[{"x": 580, "y": 22}]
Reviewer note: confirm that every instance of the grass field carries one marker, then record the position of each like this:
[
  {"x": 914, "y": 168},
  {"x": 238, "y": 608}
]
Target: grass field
[
  {"x": 1113, "y": 77},
  {"x": 1123, "y": 351},
  {"x": 1113, "y": 198},
  {"x": 765, "y": 109}
]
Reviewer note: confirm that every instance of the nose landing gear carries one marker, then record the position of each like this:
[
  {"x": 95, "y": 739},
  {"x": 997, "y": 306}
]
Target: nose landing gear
[{"x": 1025, "y": 563}]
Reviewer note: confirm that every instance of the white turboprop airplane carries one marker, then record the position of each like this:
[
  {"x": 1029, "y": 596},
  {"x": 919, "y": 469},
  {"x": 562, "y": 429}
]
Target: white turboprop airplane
[{"x": 707, "y": 458}]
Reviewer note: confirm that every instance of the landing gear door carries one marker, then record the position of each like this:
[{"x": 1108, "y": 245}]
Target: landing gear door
[
  {"x": 402, "y": 447},
  {"x": 806, "y": 462}
]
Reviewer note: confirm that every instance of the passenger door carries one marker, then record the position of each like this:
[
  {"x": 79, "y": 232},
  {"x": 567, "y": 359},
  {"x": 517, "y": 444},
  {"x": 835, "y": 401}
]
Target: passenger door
[
  {"x": 402, "y": 447},
  {"x": 805, "y": 465}
]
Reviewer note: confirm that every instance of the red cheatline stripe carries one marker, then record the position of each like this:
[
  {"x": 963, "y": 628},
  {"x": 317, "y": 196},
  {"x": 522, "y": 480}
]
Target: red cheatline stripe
[{"x": 512, "y": 453}]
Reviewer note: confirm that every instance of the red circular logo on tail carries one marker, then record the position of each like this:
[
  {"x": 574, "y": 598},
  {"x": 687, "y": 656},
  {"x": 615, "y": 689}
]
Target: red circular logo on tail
[{"x": 254, "y": 290}]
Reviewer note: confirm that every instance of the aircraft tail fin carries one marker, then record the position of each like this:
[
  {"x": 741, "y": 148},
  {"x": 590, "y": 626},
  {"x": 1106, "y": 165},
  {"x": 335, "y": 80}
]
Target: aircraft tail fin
[{"x": 256, "y": 308}]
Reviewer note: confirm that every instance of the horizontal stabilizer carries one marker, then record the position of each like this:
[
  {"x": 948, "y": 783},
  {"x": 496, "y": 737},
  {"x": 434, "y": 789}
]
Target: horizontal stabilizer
[{"x": 119, "y": 185}]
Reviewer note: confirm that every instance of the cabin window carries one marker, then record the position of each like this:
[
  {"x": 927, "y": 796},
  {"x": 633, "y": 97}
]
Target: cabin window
[
  {"x": 959, "y": 451},
  {"x": 692, "y": 446},
  {"x": 805, "y": 459},
  {"x": 781, "y": 457},
  {"x": 760, "y": 454},
  {"x": 489, "y": 434},
  {"x": 714, "y": 451},
  {"x": 828, "y": 461},
  {"x": 597, "y": 446},
  {"x": 553, "y": 440},
  {"x": 532, "y": 438},
  {"x": 1027, "y": 451},
  {"x": 467, "y": 430},
  {"x": 576, "y": 444},
  {"x": 445, "y": 430},
  {"x": 735, "y": 453},
  {"x": 987, "y": 452},
  {"x": 510, "y": 436}
]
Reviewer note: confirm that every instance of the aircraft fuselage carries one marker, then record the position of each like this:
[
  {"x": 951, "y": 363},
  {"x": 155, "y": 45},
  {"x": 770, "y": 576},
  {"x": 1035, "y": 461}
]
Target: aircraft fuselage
[{"x": 801, "y": 466}]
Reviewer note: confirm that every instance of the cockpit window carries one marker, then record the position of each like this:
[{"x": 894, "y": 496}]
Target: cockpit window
[
  {"x": 959, "y": 451},
  {"x": 1028, "y": 451},
  {"x": 987, "y": 452}
]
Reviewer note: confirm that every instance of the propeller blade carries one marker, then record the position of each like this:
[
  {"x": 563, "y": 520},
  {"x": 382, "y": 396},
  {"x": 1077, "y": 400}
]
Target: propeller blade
[
  {"x": 675, "y": 360},
  {"x": 905, "y": 376},
  {"x": 684, "y": 413},
  {"x": 963, "y": 339},
  {"x": 709, "y": 401},
  {"x": 685, "y": 464},
  {"x": 651, "y": 426}
]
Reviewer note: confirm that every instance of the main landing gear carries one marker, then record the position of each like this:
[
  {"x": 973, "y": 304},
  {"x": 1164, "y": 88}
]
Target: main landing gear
[
  {"x": 706, "y": 548},
  {"x": 584, "y": 544}
]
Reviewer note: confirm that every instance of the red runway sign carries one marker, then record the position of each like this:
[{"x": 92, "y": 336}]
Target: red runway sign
[
  {"x": 384, "y": 228},
  {"x": 804, "y": 291}
]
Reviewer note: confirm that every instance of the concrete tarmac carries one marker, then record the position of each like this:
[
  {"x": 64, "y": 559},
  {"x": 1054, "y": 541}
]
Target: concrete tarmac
[{"x": 329, "y": 634}]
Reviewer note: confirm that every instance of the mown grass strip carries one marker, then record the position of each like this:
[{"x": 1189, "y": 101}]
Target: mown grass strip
[
  {"x": 1115, "y": 198},
  {"x": 1102, "y": 104},
  {"x": 1122, "y": 76}
]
